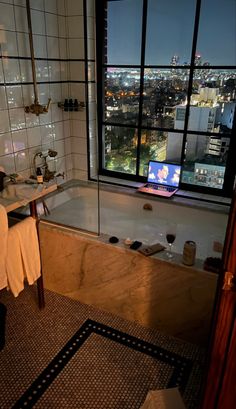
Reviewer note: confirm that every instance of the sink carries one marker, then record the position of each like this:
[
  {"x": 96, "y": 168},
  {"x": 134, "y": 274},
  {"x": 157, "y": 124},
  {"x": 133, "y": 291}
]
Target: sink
[{"x": 18, "y": 192}]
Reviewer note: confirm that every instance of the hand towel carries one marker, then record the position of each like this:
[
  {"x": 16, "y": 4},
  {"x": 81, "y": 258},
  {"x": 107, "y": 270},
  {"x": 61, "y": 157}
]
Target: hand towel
[
  {"x": 23, "y": 258},
  {"x": 3, "y": 246}
]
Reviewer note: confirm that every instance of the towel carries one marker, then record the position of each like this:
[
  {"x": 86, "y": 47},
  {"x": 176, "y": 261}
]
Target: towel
[
  {"x": 23, "y": 255},
  {"x": 3, "y": 246}
]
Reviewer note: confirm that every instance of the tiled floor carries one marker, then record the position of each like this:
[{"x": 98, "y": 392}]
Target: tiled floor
[{"x": 71, "y": 355}]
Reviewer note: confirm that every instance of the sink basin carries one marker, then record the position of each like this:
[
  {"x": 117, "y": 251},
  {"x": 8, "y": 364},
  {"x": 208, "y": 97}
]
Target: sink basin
[{"x": 19, "y": 191}]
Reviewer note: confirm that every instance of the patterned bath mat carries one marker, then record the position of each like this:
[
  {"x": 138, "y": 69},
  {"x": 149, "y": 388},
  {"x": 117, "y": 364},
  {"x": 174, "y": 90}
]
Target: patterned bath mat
[
  {"x": 71, "y": 355},
  {"x": 174, "y": 371}
]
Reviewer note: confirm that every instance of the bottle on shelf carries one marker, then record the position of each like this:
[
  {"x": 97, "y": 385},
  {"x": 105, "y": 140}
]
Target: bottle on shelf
[
  {"x": 66, "y": 105},
  {"x": 71, "y": 105},
  {"x": 76, "y": 105},
  {"x": 39, "y": 175}
]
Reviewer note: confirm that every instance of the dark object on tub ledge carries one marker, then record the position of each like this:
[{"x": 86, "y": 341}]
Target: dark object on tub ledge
[
  {"x": 113, "y": 239},
  {"x": 213, "y": 264}
]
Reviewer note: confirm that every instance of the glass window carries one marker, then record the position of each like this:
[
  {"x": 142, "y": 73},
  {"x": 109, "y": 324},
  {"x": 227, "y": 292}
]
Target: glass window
[
  {"x": 205, "y": 160},
  {"x": 122, "y": 93},
  {"x": 120, "y": 149},
  {"x": 165, "y": 90},
  {"x": 169, "y": 32},
  {"x": 124, "y": 30},
  {"x": 217, "y": 33},
  {"x": 213, "y": 100}
]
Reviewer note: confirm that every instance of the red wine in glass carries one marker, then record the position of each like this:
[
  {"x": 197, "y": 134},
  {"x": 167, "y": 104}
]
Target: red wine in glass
[{"x": 170, "y": 237}]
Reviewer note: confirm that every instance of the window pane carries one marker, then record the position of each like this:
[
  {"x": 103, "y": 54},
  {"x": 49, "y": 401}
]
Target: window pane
[
  {"x": 217, "y": 33},
  {"x": 120, "y": 149},
  {"x": 124, "y": 30},
  {"x": 169, "y": 32},
  {"x": 164, "y": 91},
  {"x": 161, "y": 146},
  {"x": 205, "y": 160},
  {"x": 122, "y": 95},
  {"x": 213, "y": 100}
]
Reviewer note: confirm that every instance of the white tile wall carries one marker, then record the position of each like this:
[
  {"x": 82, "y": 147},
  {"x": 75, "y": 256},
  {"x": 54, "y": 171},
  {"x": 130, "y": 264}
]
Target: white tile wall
[{"x": 58, "y": 33}]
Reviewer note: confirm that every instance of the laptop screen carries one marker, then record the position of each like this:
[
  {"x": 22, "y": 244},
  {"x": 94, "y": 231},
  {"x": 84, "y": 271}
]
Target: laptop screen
[{"x": 163, "y": 173}]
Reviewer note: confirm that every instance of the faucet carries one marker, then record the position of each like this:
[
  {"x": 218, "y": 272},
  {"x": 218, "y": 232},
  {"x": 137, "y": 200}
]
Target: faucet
[
  {"x": 37, "y": 108},
  {"x": 48, "y": 174}
]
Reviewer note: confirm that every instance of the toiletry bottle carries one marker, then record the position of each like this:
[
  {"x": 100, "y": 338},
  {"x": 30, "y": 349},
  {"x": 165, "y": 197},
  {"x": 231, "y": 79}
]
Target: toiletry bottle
[
  {"x": 66, "y": 105},
  {"x": 39, "y": 175},
  {"x": 76, "y": 105},
  {"x": 71, "y": 105}
]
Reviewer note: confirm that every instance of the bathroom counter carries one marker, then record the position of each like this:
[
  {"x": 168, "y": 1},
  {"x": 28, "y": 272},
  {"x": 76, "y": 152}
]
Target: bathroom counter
[{"x": 21, "y": 194}]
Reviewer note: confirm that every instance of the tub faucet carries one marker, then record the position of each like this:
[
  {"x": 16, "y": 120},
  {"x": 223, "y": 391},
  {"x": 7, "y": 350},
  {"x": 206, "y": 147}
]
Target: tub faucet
[{"x": 37, "y": 108}]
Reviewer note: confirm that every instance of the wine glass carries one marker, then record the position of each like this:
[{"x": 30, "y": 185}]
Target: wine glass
[{"x": 170, "y": 237}]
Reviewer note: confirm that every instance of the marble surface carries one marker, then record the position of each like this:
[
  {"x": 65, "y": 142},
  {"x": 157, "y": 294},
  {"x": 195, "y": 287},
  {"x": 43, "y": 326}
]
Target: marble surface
[
  {"x": 173, "y": 298},
  {"x": 17, "y": 195}
]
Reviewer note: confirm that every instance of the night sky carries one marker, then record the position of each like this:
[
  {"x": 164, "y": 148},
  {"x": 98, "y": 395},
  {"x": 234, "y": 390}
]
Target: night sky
[{"x": 170, "y": 29}]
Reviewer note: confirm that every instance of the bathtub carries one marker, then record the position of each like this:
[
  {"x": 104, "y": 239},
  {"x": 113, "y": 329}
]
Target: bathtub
[{"x": 120, "y": 212}]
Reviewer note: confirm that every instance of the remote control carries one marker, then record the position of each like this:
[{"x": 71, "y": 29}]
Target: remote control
[
  {"x": 135, "y": 245},
  {"x": 149, "y": 250}
]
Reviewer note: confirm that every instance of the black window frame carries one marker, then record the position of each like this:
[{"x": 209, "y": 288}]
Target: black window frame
[{"x": 101, "y": 44}]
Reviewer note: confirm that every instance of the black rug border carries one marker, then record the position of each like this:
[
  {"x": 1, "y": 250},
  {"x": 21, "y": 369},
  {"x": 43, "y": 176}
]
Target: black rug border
[{"x": 181, "y": 365}]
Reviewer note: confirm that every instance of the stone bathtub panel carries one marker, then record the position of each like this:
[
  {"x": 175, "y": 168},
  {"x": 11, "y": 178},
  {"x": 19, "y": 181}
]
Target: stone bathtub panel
[{"x": 175, "y": 299}]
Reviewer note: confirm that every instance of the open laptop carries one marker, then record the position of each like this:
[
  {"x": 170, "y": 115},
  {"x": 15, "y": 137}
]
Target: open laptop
[{"x": 162, "y": 180}]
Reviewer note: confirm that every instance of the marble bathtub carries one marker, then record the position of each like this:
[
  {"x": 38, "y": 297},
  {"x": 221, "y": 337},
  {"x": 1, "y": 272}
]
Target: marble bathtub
[
  {"x": 173, "y": 298},
  {"x": 120, "y": 212}
]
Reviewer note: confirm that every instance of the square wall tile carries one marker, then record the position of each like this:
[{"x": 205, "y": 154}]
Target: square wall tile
[
  {"x": 77, "y": 71},
  {"x": 59, "y": 131},
  {"x": 38, "y": 22},
  {"x": 7, "y": 21},
  {"x": 31, "y": 119},
  {"x": 5, "y": 144},
  {"x": 23, "y": 45},
  {"x": 91, "y": 49},
  {"x": 59, "y": 147},
  {"x": 74, "y": 8},
  {"x": 51, "y": 24},
  {"x": 26, "y": 71},
  {"x": 3, "y": 99},
  {"x": 62, "y": 26},
  {"x": 54, "y": 70},
  {"x": 17, "y": 118},
  {"x": 37, "y": 4},
  {"x": 22, "y": 160},
  {"x": 44, "y": 95},
  {"x": 76, "y": 27},
  {"x": 21, "y": 19},
  {"x": 53, "y": 47},
  {"x": 61, "y": 7},
  {"x": 11, "y": 70},
  {"x": 8, "y": 163},
  {"x": 42, "y": 73},
  {"x": 34, "y": 136},
  {"x": 51, "y": 6},
  {"x": 40, "y": 46},
  {"x": 76, "y": 48},
  {"x": 14, "y": 96},
  {"x": 79, "y": 129},
  {"x": 55, "y": 92},
  {"x": 56, "y": 113},
  {"x": 63, "y": 48},
  {"x": 91, "y": 71},
  {"x": 19, "y": 140},
  {"x": 9, "y": 46},
  {"x": 4, "y": 123},
  {"x": 47, "y": 133}
]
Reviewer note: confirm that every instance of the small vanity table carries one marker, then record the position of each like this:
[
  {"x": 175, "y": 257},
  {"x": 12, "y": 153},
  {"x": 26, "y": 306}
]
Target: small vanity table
[{"x": 18, "y": 195}]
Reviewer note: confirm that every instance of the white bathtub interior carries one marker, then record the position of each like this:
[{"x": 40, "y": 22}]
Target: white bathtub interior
[{"x": 120, "y": 213}]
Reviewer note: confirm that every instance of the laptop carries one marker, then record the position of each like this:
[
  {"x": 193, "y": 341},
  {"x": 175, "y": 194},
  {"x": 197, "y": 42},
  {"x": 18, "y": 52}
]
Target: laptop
[{"x": 162, "y": 180}]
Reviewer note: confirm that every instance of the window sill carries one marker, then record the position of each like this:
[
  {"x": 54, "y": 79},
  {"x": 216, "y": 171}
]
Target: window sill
[{"x": 182, "y": 197}]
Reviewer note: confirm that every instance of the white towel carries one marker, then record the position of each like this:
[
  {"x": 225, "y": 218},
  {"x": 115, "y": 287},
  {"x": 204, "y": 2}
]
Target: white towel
[
  {"x": 3, "y": 246},
  {"x": 23, "y": 258}
]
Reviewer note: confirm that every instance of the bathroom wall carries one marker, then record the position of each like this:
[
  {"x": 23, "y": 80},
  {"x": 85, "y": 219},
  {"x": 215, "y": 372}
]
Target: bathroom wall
[{"x": 58, "y": 35}]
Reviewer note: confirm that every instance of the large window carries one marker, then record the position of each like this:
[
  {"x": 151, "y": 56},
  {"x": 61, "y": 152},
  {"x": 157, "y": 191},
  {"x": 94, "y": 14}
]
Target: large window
[{"x": 166, "y": 74}]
